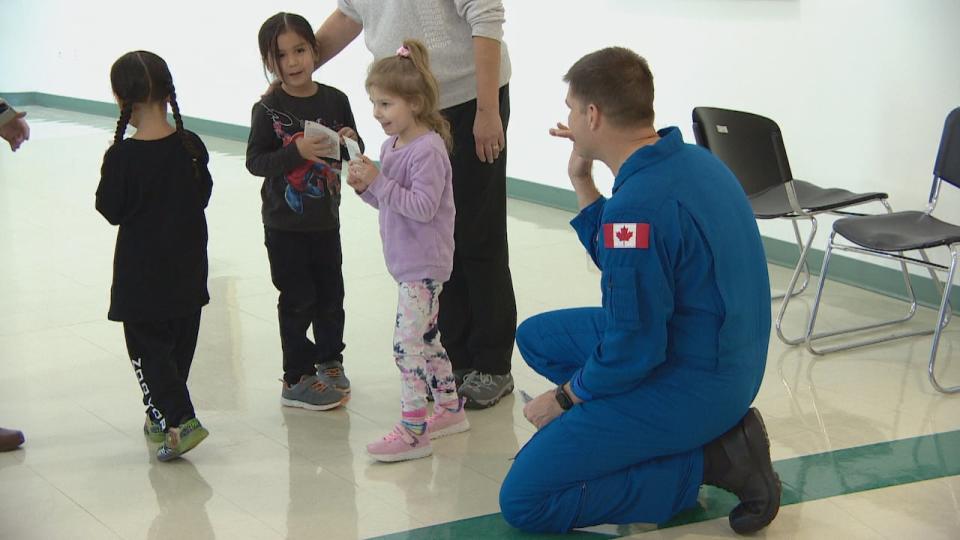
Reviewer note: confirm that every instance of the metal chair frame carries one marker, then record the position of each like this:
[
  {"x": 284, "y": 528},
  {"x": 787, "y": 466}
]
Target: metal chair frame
[
  {"x": 800, "y": 214},
  {"x": 944, "y": 313}
]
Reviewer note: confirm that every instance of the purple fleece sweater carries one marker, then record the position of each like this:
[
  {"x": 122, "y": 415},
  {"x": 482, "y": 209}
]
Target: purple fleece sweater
[{"x": 414, "y": 193}]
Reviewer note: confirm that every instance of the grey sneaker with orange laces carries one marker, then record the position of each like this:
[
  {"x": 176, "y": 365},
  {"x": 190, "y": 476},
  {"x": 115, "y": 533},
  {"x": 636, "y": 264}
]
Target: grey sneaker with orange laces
[
  {"x": 331, "y": 374},
  {"x": 313, "y": 394}
]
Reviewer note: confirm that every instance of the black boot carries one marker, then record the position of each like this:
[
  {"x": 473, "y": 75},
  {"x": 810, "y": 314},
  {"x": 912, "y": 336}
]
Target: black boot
[{"x": 739, "y": 462}]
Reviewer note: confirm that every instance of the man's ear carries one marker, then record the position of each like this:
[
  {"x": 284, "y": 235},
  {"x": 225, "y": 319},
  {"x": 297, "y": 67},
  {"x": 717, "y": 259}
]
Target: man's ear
[{"x": 594, "y": 118}]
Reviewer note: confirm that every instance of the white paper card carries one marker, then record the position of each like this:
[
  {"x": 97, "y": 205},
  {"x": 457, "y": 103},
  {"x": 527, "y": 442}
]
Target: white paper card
[
  {"x": 313, "y": 129},
  {"x": 353, "y": 148}
]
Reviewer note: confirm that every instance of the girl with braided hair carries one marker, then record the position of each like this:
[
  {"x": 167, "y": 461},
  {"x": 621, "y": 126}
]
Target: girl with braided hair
[{"x": 155, "y": 186}]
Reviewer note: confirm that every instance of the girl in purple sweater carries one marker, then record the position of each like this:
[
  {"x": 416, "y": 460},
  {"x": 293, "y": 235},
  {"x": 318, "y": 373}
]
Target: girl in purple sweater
[{"x": 414, "y": 193}]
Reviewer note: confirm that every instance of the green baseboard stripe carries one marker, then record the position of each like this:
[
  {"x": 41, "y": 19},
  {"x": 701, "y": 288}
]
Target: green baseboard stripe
[
  {"x": 87, "y": 106},
  {"x": 805, "y": 478},
  {"x": 554, "y": 197},
  {"x": 872, "y": 277}
]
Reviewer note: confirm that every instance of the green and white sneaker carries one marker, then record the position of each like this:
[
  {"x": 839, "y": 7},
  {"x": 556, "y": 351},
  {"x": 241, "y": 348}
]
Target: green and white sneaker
[
  {"x": 182, "y": 439},
  {"x": 152, "y": 431}
]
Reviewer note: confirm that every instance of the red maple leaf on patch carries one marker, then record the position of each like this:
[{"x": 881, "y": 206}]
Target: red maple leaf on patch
[{"x": 624, "y": 235}]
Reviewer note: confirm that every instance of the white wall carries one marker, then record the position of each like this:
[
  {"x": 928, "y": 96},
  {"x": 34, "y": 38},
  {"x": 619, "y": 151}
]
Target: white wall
[{"x": 860, "y": 88}]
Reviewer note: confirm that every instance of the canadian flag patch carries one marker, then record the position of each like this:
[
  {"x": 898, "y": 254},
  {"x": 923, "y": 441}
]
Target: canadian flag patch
[{"x": 626, "y": 235}]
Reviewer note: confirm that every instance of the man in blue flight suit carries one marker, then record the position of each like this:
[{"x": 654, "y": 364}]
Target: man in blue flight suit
[{"x": 654, "y": 388}]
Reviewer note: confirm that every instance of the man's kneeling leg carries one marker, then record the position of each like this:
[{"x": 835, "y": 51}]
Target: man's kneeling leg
[{"x": 739, "y": 462}]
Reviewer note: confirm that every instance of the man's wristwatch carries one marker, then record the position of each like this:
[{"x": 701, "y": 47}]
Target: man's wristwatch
[{"x": 563, "y": 399}]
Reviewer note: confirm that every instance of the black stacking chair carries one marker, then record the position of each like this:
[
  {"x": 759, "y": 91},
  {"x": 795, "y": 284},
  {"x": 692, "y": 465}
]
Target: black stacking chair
[
  {"x": 890, "y": 235},
  {"x": 752, "y": 147}
]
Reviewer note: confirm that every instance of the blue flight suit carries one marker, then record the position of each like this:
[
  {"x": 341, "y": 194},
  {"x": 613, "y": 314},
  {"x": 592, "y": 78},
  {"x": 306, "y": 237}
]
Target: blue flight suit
[{"x": 672, "y": 360}]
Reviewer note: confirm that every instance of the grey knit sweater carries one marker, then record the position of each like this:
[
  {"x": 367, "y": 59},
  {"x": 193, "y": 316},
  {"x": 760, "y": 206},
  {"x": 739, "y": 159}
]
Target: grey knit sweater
[{"x": 446, "y": 27}]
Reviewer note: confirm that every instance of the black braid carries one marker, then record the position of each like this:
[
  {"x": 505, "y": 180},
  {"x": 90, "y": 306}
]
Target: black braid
[
  {"x": 187, "y": 141},
  {"x": 122, "y": 122}
]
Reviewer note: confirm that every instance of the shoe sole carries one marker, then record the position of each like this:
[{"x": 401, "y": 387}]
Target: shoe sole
[
  {"x": 471, "y": 403},
  {"x": 451, "y": 430},
  {"x": 415, "y": 453},
  {"x": 311, "y": 407},
  {"x": 759, "y": 451},
  {"x": 189, "y": 444}
]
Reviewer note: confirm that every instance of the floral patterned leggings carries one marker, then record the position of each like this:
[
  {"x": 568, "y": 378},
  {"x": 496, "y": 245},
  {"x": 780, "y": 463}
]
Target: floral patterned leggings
[{"x": 417, "y": 349}]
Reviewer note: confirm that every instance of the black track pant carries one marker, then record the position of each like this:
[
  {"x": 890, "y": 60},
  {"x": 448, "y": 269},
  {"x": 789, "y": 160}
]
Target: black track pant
[{"x": 161, "y": 354}]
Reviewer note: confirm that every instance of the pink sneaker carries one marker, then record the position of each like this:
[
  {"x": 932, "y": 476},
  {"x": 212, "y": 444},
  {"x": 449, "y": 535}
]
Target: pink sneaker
[
  {"x": 443, "y": 422},
  {"x": 400, "y": 445}
]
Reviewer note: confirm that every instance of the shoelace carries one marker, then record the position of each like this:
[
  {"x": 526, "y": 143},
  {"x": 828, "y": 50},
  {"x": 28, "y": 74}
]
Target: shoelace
[
  {"x": 317, "y": 385},
  {"x": 477, "y": 379},
  {"x": 397, "y": 433},
  {"x": 173, "y": 438},
  {"x": 333, "y": 372}
]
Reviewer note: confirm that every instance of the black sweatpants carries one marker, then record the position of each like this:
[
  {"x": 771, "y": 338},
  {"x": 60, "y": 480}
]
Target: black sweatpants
[
  {"x": 478, "y": 310},
  {"x": 306, "y": 267},
  {"x": 161, "y": 353}
]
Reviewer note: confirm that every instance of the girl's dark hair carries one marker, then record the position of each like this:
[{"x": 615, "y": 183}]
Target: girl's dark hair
[
  {"x": 143, "y": 77},
  {"x": 409, "y": 78},
  {"x": 271, "y": 30}
]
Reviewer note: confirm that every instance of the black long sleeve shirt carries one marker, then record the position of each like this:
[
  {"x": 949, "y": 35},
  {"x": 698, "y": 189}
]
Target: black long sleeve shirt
[
  {"x": 297, "y": 194},
  {"x": 151, "y": 189}
]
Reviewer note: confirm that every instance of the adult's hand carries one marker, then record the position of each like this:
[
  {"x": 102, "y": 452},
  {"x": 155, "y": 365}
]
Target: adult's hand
[
  {"x": 488, "y": 135},
  {"x": 16, "y": 131},
  {"x": 579, "y": 169},
  {"x": 542, "y": 409}
]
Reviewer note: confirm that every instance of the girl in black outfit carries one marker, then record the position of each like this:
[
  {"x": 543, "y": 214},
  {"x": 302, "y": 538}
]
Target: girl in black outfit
[{"x": 155, "y": 186}]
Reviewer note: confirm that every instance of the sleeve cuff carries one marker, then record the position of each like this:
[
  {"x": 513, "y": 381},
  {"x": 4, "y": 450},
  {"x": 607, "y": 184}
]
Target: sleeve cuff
[
  {"x": 368, "y": 196},
  {"x": 375, "y": 186},
  {"x": 589, "y": 215},
  {"x": 488, "y": 30},
  {"x": 345, "y": 8},
  {"x": 576, "y": 386}
]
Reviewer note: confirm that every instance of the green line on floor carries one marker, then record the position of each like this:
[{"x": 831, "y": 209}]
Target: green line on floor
[{"x": 805, "y": 478}]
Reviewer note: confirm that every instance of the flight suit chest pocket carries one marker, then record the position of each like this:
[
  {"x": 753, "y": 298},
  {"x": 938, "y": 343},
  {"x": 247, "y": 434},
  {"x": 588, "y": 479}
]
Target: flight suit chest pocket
[{"x": 620, "y": 299}]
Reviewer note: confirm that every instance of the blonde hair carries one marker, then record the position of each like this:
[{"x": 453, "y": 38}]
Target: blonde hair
[{"x": 408, "y": 77}]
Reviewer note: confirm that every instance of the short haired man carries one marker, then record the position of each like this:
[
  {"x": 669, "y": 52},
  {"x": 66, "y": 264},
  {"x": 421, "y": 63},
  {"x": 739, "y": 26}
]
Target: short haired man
[{"x": 654, "y": 387}]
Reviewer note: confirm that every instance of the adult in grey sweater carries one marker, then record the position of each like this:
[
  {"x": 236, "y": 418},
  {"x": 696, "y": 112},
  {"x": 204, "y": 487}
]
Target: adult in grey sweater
[{"x": 478, "y": 312}]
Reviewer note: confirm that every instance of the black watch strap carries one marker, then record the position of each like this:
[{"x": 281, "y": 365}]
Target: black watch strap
[{"x": 563, "y": 399}]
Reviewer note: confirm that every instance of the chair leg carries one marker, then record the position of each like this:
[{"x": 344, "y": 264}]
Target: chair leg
[
  {"x": 811, "y": 336},
  {"x": 791, "y": 287},
  {"x": 944, "y": 316},
  {"x": 803, "y": 260},
  {"x": 936, "y": 282}
]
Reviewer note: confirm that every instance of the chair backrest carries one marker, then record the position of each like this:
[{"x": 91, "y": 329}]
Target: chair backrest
[
  {"x": 947, "y": 166},
  {"x": 749, "y": 144}
]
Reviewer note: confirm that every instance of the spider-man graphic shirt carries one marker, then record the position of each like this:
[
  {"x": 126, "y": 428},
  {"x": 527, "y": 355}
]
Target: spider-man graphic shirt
[{"x": 297, "y": 194}]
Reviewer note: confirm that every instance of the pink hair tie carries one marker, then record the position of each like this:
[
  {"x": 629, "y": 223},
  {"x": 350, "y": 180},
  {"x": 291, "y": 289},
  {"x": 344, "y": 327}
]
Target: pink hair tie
[{"x": 403, "y": 51}]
